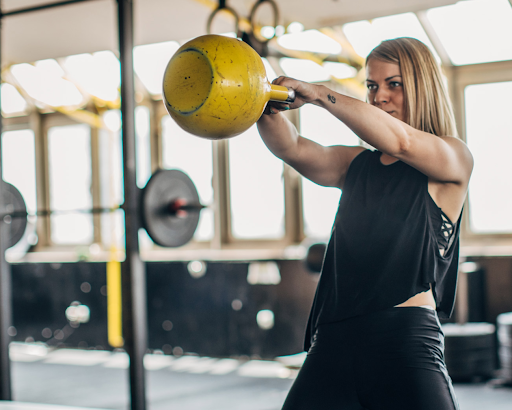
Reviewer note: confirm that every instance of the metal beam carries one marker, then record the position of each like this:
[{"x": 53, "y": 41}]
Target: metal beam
[
  {"x": 5, "y": 285},
  {"x": 133, "y": 274},
  {"x": 41, "y": 7}
]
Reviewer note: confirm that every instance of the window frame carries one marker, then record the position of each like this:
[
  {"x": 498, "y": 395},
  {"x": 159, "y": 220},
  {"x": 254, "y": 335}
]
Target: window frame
[{"x": 461, "y": 77}]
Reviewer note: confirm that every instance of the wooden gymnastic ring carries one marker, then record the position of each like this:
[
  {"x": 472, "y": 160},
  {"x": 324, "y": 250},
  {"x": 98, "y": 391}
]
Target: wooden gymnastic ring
[
  {"x": 253, "y": 14},
  {"x": 217, "y": 10}
]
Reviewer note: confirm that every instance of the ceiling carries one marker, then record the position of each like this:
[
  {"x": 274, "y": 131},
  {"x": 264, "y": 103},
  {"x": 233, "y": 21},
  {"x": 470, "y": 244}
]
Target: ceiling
[{"x": 92, "y": 25}]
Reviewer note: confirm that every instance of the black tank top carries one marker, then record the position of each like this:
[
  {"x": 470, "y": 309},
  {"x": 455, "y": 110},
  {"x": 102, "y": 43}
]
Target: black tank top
[{"x": 384, "y": 245}]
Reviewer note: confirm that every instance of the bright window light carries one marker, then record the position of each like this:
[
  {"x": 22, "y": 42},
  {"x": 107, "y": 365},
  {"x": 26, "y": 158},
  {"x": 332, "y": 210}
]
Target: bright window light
[
  {"x": 268, "y": 31},
  {"x": 304, "y": 70},
  {"x": 150, "y": 62},
  {"x": 143, "y": 152},
  {"x": 19, "y": 164},
  {"x": 340, "y": 70},
  {"x": 320, "y": 203},
  {"x": 310, "y": 40},
  {"x": 69, "y": 157},
  {"x": 43, "y": 82},
  {"x": 112, "y": 120},
  {"x": 271, "y": 74},
  {"x": 256, "y": 190},
  {"x": 231, "y": 34},
  {"x": 488, "y": 126},
  {"x": 97, "y": 74},
  {"x": 12, "y": 101},
  {"x": 111, "y": 174},
  {"x": 365, "y": 36},
  {"x": 476, "y": 31},
  {"x": 295, "y": 27}
]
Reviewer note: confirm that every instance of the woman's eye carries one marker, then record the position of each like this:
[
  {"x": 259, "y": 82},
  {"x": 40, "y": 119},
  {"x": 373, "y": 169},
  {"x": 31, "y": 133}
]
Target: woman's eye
[
  {"x": 371, "y": 86},
  {"x": 395, "y": 84}
]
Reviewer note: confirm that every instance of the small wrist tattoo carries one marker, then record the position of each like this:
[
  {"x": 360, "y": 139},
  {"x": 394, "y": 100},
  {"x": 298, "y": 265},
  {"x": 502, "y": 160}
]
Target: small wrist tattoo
[{"x": 331, "y": 98}]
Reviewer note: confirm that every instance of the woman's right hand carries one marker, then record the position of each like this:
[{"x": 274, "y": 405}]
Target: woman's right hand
[{"x": 304, "y": 93}]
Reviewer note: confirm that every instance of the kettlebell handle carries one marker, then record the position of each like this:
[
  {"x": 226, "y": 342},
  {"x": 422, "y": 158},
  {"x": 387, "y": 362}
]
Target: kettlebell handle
[{"x": 281, "y": 94}]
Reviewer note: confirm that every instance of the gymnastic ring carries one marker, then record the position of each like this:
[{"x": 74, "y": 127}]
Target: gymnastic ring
[
  {"x": 214, "y": 12},
  {"x": 253, "y": 14}
]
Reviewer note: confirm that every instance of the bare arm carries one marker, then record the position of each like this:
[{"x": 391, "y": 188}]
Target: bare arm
[
  {"x": 325, "y": 166},
  {"x": 444, "y": 159}
]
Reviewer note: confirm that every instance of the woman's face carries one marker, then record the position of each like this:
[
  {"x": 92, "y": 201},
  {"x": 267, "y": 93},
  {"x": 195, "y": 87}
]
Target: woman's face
[{"x": 385, "y": 87}]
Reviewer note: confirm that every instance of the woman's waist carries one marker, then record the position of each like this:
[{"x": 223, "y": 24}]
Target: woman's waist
[
  {"x": 390, "y": 323},
  {"x": 422, "y": 299}
]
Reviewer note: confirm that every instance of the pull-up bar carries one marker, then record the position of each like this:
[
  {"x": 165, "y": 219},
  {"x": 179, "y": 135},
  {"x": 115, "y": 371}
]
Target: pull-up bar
[{"x": 41, "y": 7}]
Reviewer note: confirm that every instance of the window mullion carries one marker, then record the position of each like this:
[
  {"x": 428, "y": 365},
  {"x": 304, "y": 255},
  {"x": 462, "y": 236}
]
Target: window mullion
[
  {"x": 294, "y": 221},
  {"x": 156, "y": 113},
  {"x": 95, "y": 184},
  {"x": 222, "y": 203},
  {"x": 40, "y": 129}
]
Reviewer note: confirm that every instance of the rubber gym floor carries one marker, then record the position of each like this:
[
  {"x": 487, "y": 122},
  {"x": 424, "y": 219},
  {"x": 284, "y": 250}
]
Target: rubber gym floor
[{"x": 99, "y": 379}]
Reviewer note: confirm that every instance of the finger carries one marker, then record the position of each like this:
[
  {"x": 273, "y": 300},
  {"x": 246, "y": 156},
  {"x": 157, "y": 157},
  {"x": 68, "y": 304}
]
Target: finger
[{"x": 279, "y": 80}]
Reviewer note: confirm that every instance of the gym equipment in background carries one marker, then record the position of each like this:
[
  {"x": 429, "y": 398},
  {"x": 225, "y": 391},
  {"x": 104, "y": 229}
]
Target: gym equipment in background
[{"x": 169, "y": 209}]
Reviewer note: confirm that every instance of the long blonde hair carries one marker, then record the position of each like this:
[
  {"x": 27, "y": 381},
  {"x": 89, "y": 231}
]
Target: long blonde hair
[{"x": 426, "y": 102}]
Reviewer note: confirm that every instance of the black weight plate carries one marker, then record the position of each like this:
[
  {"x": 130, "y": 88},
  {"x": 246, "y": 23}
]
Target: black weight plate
[
  {"x": 14, "y": 203},
  {"x": 315, "y": 257},
  {"x": 471, "y": 366},
  {"x": 481, "y": 355},
  {"x": 164, "y": 228},
  {"x": 505, "y": 354},
  {"x": 473, "y": 354},
  {"x": 461, "y": 344},
  {"x": 504, "y": 337}
]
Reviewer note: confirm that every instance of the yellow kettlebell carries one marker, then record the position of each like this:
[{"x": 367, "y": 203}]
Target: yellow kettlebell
[{"x": 216, "y": 87}]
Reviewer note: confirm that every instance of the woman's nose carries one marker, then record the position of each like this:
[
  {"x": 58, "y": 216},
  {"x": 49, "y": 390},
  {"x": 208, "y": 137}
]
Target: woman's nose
[{"x": 380, "y": 97}]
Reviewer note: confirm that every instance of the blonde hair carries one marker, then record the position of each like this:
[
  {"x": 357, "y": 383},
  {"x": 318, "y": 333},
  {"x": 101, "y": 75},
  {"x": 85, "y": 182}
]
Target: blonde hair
[{"x": 427, "y": 105}]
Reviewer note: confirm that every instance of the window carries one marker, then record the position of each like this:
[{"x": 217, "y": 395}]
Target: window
[
  {"x": 305, "y": 70},
  {"x": 12, "y": 101},
  {"x": 489, "y": 137},
  {"x": 475, "y": 31},
  {"x": 320, "y": 203},
  {"x": 18, "y": 164},
  {"x": 150, "y": 61},
  {"x": 111, "y": 177},
  {"x": 193, "y": 156},
  {"x": 69, "y": 157},
  {"x": 365, "y": 35},
  {"x": 256, "y": 188},
  {"x": 143, "y": 147}
]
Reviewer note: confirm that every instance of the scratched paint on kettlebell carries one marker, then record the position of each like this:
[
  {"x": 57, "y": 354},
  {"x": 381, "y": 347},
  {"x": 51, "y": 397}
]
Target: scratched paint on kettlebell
[{"x": 237, "y": 88}]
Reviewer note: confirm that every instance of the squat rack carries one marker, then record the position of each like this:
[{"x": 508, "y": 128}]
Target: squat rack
[{"x": 133, "y": 273}]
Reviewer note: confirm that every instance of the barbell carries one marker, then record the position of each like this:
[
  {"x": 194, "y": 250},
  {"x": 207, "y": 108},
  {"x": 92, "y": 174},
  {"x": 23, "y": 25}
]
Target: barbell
[
  {"x": 169, "y": 209},
  {"x": 216, "y": 87}
]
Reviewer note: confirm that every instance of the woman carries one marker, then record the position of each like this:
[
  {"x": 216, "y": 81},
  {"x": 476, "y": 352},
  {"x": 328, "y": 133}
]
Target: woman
[{"x": 374, "y": 339}]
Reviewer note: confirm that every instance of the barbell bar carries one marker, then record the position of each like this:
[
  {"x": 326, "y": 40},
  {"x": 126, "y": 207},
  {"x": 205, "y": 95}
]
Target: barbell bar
[{"x": 169, "y": 207}]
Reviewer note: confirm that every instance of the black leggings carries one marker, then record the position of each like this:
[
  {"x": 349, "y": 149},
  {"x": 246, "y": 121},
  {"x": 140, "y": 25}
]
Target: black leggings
[{"x": 392, "y": 359}]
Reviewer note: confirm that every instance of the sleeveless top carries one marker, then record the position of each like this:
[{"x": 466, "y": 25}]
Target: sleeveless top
[{"x": 384, "y": 245}]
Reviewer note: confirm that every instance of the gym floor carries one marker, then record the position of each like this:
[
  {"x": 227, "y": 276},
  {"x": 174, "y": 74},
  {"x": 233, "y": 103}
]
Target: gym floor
[{"x": 98, "y": 379}]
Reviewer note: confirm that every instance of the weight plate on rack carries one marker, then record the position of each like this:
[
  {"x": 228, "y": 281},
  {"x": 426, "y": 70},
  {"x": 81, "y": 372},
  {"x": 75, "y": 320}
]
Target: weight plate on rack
[
  {"x": 14, "y": 204},
  {"x": 170, "y": 208}
]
